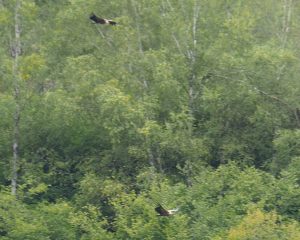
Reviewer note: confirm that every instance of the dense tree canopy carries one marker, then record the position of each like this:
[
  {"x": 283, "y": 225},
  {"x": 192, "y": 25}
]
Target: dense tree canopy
[{"x": 193, "y": 104}]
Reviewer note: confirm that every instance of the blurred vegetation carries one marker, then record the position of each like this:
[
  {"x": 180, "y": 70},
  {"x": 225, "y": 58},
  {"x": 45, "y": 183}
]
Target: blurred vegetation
[{"x": 193, "y": 104}]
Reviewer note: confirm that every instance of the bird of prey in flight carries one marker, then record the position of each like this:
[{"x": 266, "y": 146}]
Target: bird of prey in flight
[
  {"x": 99, "y": 20},
  {"x": 164, "y": 212}
]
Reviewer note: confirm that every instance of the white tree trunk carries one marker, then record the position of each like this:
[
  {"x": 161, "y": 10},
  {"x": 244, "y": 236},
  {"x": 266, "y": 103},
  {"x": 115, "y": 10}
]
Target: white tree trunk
[
  {"x": 133, "y": 5},
  {"x": 286, "y": 21},
  {"x": 287, "y": 12},
  {"x": 192, "y": 56},
  {"x": 16, "y": 51}
]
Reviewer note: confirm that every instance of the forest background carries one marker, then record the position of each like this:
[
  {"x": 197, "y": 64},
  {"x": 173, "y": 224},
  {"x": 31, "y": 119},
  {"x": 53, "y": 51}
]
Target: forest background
[{"x": 190, "y": 103}]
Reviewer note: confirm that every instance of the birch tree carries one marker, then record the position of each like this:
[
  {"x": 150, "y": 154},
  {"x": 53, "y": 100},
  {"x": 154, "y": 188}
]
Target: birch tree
[{"x": 15, "y": 53}]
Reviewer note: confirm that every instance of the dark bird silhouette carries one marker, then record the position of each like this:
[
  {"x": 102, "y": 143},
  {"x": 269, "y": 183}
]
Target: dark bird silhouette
[
  {"x": 164, "y": 212},
  {"x": 99, "y": 20}
]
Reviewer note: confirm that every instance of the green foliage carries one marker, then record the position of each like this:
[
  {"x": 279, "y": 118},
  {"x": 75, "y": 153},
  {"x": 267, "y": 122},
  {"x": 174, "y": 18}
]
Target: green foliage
[
  {"x": 259, "y": 225},
  {"x": 286, "y": 145},
  {"x": 19, "y": 221},
  {"x": 6, "y": 109},
  {"x": 193, "y": 104},
  {"x": 88, "y": 225}
]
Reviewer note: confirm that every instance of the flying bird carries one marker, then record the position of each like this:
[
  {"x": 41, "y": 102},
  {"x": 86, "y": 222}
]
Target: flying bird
[
  {"x": 164, "y": 212},
  {"x": 102, "y": 20}
]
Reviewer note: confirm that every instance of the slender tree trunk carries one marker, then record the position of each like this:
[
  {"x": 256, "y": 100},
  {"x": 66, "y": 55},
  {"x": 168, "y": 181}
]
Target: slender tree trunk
[
  {"x": 151, "y": 157},
  {"x": 134, "y": 10},
  {"x": 285, "y": 29},
  {"x": 287, "y": 13},
  {"x": 192, "y": 52},
  {"x": 189, "y": 48},
  {"x": 137, "y": 24},
  {"x": 16, "y": 51},
  {"x": 192, "y": 56},
  {"x": 132, "y": 5},
  {"x": 103, "y": 36}
]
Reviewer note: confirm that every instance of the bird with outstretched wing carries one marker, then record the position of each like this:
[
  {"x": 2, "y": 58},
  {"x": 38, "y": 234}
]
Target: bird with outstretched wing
[
  {"x": 164, "y": 212},
  {"x": 99, "y": 20}
]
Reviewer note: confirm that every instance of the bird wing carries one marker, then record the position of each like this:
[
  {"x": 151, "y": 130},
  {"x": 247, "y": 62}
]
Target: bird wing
[
  {"x": 112, "y": 22},
  {"x": 161, "y": 211},
  {"x": 97, "y": 19},
  {"x": 101, "y": 20}
]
